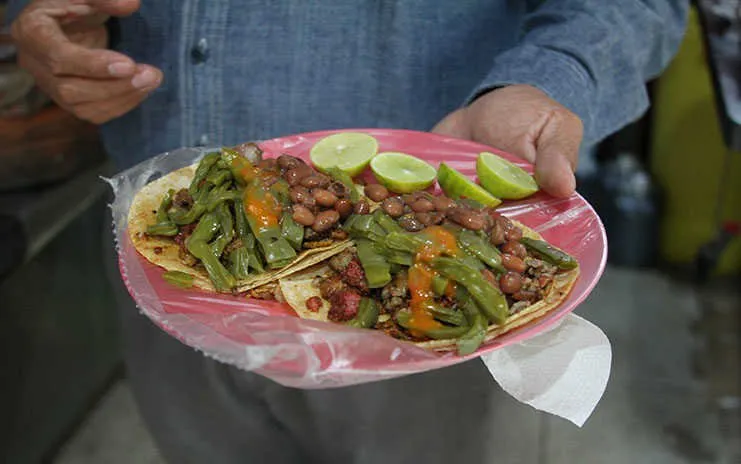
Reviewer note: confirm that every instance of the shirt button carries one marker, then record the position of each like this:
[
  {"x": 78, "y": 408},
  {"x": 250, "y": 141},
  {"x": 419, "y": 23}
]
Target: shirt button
[
  {"x": 203, "y": 141},
  {"x": 199, "y": 52}
]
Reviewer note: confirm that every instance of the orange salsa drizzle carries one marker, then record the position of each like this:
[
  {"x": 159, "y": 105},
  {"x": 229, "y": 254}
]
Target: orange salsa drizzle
[
  {"x": 261, "y": 206},
  {"x": 259, "y": 203},
  {"x": 438, "y": 241},
  {"x": 246, "y": 169}
]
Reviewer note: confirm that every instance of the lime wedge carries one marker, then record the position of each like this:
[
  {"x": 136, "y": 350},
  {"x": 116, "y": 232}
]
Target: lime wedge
[
  {"x": 402, "y": 173},
  {"x": 456, "y": 185},
  {"x": 349, "y": 151},
  {"x": 503, "y": 179}
]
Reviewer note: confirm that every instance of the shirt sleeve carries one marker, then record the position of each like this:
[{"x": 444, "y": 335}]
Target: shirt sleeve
[
  {"x": 594, "y": 57},
  {"x": 13, "y": 9}
]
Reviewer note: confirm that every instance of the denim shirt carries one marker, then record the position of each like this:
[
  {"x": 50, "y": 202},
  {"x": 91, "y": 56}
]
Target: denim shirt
[{"x": 238, "y": 70}]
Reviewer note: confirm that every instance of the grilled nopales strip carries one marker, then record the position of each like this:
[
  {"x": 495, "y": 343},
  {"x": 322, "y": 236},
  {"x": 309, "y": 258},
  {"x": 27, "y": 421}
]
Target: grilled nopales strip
[
  {"x": 472, "y": 289},
  {"x": 228, "y": 221}
]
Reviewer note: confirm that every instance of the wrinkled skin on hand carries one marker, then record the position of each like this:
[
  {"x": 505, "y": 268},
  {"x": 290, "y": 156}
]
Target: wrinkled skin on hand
[
  {"x": 62, "y": 44},
  {"x": 524, "y": 121}
]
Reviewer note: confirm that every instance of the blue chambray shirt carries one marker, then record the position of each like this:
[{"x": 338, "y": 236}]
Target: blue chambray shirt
[{"x": 238, "y": 70}]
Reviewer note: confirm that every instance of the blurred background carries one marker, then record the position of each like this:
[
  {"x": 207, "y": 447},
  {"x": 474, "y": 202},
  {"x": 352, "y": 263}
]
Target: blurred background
[{"x": 668, "y": 189}]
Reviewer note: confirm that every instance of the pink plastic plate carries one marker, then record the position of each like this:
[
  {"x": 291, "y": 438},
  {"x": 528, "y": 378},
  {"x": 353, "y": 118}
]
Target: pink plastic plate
[{"x": 268, "y": 338}]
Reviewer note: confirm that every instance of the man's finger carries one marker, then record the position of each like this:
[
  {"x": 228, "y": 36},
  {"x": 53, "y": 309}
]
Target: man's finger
[
  {"x": 75, "y": 90},
  {"x": 64, "y": 8},
  {"x": 45, "y": 81},
  {"x": 557, "y": 152},
  {"x": 40, "y": 35},
  {"x": 68, "y": 59},
  {"x": 102, "y": 112},
  {"x": 115, "y": 7}
]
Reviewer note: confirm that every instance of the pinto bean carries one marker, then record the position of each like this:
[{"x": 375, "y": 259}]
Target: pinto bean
[
  {"x": 315, "y": 180},
  {"x": 423, "y": 205},
  {"x": 339, "y": 189},
  {"x": 376, "y": 192},
  {"x": 511, "y": 231},
  {"x": 431, "y": 218},
  {"x": 324, "y": 197},
  {"x": 286, "y": 162},
  {"x": 295, "y": 175},
  {"x": 443, "y": 203},
  {"x": 325, "y": 220},
  {"x": 496, "y": 235},
  {"x": 393, "y": 206},
  {"x": 268, "y": 164},
  {"x": 362, "y": 207},
  {"x": 515, "y": 248},
  {"x": 303, "y": 215},
  {"x": 410, "y": 223},
  {"x": 513, "y": 263},
  {"x": 299, "y": 194},
  {"x": 511, "y": 282},
  {"x": 309, "y": 202},
  {"x": 493, "y": 213},
  {"x": 410, "y": 198},
  {"x": 467, "y": 218},
  {"x": 344, "y": 207}
]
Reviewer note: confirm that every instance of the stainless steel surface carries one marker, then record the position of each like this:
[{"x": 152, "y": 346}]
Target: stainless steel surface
[
  {"x": 58, "y": 337},
  {"x": 43, "y": 213}
]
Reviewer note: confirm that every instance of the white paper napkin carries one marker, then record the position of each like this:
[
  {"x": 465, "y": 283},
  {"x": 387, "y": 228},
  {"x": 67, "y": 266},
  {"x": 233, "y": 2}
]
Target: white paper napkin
[{"x": 563, "y": 371}]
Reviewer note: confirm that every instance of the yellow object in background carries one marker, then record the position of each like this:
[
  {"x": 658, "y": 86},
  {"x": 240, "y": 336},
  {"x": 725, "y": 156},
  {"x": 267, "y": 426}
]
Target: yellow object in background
[{"x": 688, "y": 157}]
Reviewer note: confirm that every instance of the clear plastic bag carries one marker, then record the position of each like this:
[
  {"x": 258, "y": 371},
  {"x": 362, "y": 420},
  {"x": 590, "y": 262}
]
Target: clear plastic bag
[{"x": 268, "y": 338}]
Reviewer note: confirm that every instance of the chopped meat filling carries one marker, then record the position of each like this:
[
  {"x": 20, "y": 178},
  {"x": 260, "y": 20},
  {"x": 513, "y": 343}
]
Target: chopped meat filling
[
  {"x": 233, "y": 245},
  {"x": 394, "y": 296},
  {"x": 390, "y": 328},
  {"x": 183, "y": 234},
  {"x": 344, "y": 305},
  {"x": 338, "y": 234},
  {"x": 347, "y": 265},
  {"x": 331, "y": 285},
  {"x": 314, "y": 304},
  {"x": 183, "y": 199}
]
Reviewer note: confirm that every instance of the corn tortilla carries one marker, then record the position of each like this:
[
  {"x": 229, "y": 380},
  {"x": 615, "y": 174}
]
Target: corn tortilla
[
  {"x": 165, "y": 253},
  {"x": 298, "y": 287}
]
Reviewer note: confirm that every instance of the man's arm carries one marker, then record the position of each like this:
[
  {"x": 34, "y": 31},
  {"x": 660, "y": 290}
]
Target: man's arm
[
  {"x": 594, "y": 57},
  {"x": 578, "y": 73}
]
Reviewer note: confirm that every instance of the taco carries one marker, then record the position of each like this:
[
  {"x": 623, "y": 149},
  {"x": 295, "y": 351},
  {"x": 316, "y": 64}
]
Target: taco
[
  {"x": 236, "y": 221},
  {"x": 449, "y": 282}
]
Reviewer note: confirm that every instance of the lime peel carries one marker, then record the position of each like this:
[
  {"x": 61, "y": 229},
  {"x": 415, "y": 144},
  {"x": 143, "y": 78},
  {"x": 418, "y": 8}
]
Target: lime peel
[
  {"x": 456, "y": 185},
  {"x": 504, "y": 179},
  {"x": 349, "y": 151},
  {"x": 401, "y": 172}
]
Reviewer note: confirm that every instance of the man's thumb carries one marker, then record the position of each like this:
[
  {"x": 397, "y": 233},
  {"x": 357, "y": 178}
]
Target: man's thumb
[
  {"x": 557, "y": 152},
  {"x": 114, "y": 7}
]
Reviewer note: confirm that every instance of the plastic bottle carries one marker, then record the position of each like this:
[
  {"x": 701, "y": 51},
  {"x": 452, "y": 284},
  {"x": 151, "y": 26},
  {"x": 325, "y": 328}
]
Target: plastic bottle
[{"x": 631, "y": 212}]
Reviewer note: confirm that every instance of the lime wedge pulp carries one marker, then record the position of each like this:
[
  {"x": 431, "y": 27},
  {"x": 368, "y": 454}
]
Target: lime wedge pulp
[
  {"x": 402, "y": 173},
  {"x": 456, "y": 185},
  {"x": 503, "y": 179},
  {"x": 349, "y": 151}
]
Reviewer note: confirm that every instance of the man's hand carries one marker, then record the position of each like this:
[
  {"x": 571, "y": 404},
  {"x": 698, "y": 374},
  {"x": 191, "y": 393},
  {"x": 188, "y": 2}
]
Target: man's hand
[
  {"x": 522, "y": 120},
  {"x": 62, "y": 43}
]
